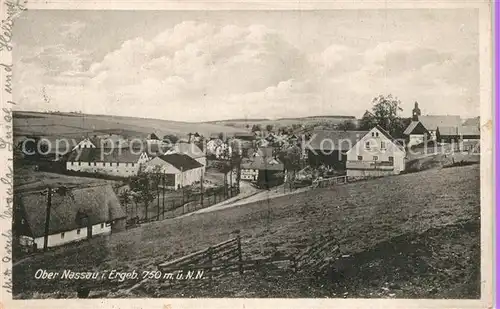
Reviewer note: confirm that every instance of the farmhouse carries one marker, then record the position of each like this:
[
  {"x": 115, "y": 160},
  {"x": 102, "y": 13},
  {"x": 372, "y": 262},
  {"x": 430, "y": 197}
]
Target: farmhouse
[
  {"x": 329, "y": 148},
  {"x": 75, "y": 215},
  {"x": 122, "y": 162},
  {"x": 468, "y": 134},
  {"x": 258, "y": 166},
  {"x": 416, "y": 133},
  {"x": 85, "y": 143},
  {"x": 179, "y": 170},
  {"x": 223, "y": 152},
  {"x": 375, "y": 154},
  {"x": 152, "y": 138},
  {"x": 192, "y": 150}
]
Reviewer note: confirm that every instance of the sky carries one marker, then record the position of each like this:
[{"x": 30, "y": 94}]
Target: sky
[{"x": 213, "y": 65}]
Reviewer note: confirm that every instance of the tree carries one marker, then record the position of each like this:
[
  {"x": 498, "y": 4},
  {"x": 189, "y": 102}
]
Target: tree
[
  {"x": 141, "y": 187},
  {"x": 347, "y": 125},
  {"x": 269, "y": 127},
  {"x": 367, "y": 122},
  {"x": 125, "y": 198},
  {"x": 221, "y": 136},
  {"x": 256, "y": 127},
  {"x": 386, "y": 109},
  {"x": 170, "y": 138}
]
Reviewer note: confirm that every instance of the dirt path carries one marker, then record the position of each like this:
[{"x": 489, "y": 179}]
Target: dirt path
[{"x": 250, "y": 194}]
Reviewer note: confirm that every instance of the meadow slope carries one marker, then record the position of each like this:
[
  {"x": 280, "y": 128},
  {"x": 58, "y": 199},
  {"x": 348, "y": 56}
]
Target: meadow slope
[{"x": 360, "y": 215}]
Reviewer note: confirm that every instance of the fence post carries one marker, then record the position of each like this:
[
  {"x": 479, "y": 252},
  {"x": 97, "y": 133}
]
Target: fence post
[
  {"x": 210, "y": 262},
  {"x": 240, "y": 256}
]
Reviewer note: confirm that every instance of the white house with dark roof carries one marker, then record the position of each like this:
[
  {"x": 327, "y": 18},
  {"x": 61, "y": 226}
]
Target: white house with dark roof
[
  {"x": 179, "y": 170},
  {"x": 190, "y": 149},
  {"x": 75, "y": 215},
  {"x": 122, "y": 162},
  {"x": 375, "y": 154}
]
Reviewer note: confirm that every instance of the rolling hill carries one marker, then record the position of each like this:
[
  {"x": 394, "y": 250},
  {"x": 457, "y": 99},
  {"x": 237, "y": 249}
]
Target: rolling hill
[{"x": 77, "y": 125}]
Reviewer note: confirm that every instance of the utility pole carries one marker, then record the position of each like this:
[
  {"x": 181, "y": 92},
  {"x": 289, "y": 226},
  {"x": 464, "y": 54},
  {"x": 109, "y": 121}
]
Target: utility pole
[
  {"x": 158, "y": 195},
  {"x": 163, "y": 196},
  {"x": 47, "y": 219},
  {"x": 201, "y": 190}
]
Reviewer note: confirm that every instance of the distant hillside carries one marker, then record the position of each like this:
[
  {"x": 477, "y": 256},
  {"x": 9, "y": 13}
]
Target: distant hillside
[
  {"x": 285, "y": 122},
  {"x": 77, "y": 125}
]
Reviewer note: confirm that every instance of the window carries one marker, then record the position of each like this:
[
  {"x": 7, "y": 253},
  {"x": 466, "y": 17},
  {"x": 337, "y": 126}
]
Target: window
[
  {"x": 373, "y": 134},
  {"x": 103, "y": 163},
  {"x": 95, "y": 163},
  {"x": 375, "y": 158},
  {"x": 117, "y": 163},
  {"x": 78, "y": 232},
  {"x": 79, "y": 163},
  {"x": 102, "y": 225},
  {"x": 367, "y": 145},
  {"x": 62, "y": 235},
  {"x": 376, "y": 134},
  {"x": 382, "y": 145},
  {"x": 360, "y": 158},
  {"x": 72, "y": 162},
  {"x": 391, "y": 159},
  {"x": 132, "y": 164}
]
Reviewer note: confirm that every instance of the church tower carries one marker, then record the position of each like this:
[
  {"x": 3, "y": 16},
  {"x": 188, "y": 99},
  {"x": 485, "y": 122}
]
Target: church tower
[{"x": 416, "y": 112}]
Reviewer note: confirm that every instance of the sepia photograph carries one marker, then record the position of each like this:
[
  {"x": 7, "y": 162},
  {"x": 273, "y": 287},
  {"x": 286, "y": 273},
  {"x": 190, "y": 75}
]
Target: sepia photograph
[{"x": 290, "y": 154}]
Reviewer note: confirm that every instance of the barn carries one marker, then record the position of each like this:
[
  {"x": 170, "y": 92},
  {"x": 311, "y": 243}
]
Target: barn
[
  {"x": 329, "y": 147},
  {"x": 179, "y": 170},
  {"x": 75, "y": 214}
]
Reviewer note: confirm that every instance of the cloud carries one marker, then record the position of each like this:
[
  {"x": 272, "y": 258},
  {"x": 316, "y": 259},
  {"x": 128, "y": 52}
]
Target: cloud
[
  {"x": 198, "y": 71},
  {"x": 73, "y": 29}
]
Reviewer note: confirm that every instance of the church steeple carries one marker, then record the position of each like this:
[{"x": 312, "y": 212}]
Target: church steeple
[{"x": 416, "y": 112}]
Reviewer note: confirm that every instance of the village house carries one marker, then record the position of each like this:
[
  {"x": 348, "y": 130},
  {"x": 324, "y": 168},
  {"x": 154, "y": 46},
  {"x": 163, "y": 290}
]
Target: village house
[
  {"x": 223, "y": 152},
  {"x": 424, "y": 128},
  {"x": 375, "y": 154},
  {"x": 85, "y": 143},
  {"x": 122, "y": 162},
  {"x": 264, "y": 171},
  {"x": 152, "y": 138},
  {"x": 464, "y": 137},
  {"x": 212, "y": 145},
  {"x": 75, "y": 214},
  {"x": 192, "y": 150},
  {"x": 109, "y": 141},
  {"x": 329, "y": 147},
  {"x": 179, "y": 170},
  {"x": 416, "y": 133}
]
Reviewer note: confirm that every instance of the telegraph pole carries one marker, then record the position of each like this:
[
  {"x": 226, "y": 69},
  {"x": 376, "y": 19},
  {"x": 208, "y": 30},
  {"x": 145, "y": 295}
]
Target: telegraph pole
[
  {"x": 158, "y": 195},
  {"x": 201, "y": 189},
  {"x": 47, "y": 219},
  {"x": 163, "y": 197}
]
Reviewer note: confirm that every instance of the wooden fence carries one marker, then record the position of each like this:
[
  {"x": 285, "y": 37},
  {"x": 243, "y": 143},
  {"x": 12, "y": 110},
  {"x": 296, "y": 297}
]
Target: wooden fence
[
  {"x": 209, "y": 259},
  {"x": 319, "y": 255},
  {"x": 224, "y": 258},
  {"x": 323, "y": 183},
  {"x": 174, "y": 208}
]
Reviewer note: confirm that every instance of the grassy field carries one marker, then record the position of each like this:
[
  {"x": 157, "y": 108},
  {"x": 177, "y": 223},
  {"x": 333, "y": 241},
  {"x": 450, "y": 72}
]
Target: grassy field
[
  {"x": 77, "y": 125},
  {"x": 438, "y": 209},
  {"x": 27, "y": 179}
]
